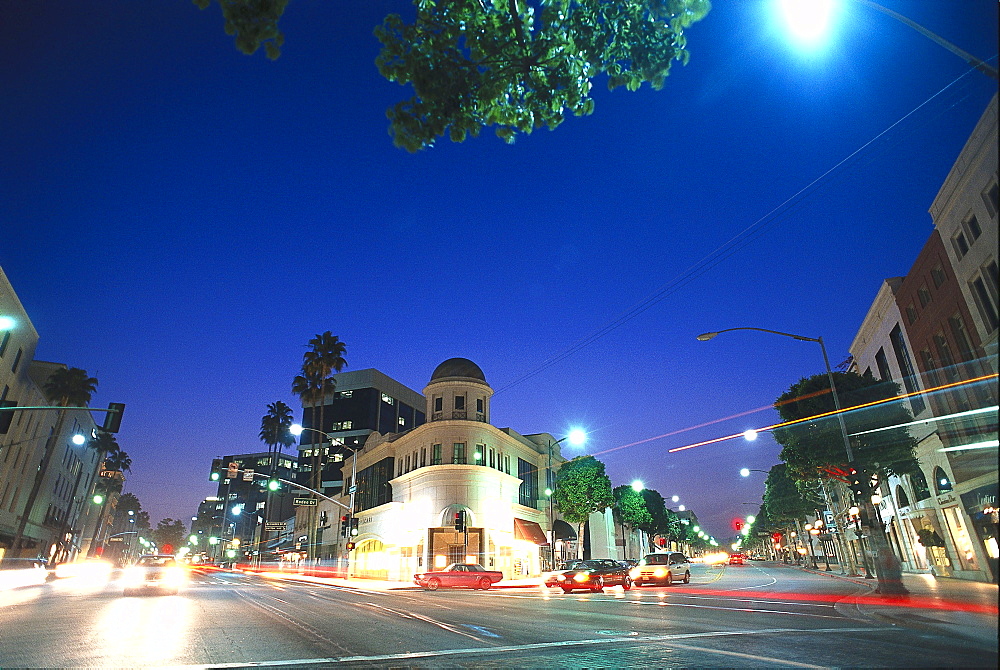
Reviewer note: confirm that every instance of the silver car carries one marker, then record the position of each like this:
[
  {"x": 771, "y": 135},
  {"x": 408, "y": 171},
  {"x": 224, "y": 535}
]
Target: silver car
[{"x": 662, "y": 568}]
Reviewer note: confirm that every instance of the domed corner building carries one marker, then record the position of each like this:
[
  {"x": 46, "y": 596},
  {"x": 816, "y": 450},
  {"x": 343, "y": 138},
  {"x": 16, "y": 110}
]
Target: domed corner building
[{"x": 411, "y": 485}]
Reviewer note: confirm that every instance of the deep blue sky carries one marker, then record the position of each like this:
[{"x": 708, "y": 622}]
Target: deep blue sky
[{"x": 179, "y": 219}]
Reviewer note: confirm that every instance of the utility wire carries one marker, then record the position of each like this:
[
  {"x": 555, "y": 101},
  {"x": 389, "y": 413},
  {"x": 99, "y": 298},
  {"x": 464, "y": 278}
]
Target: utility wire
[{"x": 724, "y": 251}]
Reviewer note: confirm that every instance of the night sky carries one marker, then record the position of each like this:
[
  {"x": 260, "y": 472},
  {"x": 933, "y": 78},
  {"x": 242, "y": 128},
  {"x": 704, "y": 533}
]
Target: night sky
[{"x": 179, "y": 219}]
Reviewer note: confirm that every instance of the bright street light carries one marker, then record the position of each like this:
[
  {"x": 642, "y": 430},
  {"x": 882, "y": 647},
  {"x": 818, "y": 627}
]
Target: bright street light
[
  {"x": 79, "y": 439},
  {"x": 236, "y": 510},
  {"x": 6, "y": 323},
  {"x": 750, "y": 435},
  {"x": 751, "y": 518},
  {"x": 637, "y": 486},
  {"x": 807, "y": 20},
  {"x": 675, "y": 498},
  {"x": 577, "y": 437}
]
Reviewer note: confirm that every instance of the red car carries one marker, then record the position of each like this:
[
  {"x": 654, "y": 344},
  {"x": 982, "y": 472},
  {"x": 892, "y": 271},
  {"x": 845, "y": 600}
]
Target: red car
[
  {"x": 737, "y": 559},
  {"x": 468, "y": 575}
]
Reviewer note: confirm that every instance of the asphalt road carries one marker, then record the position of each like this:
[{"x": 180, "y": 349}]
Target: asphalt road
[{"x": 746, "y": 616}]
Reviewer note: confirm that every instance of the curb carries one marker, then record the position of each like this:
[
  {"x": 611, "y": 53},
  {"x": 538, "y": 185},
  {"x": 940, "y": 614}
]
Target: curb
[{"x": 870, "y": 583}]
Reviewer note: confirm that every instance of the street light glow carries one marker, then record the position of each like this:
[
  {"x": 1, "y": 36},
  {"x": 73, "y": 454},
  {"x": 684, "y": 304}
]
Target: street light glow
[
  {"x": 577, "y": 437},
  {"x": 751, "y": 518},
  {"x": 807, "y": 20},
  {"x": 745, "y": 472},
  {"x": 6, "y": 323},
  {"x": 750, "y": 435},
  {"x": 675, "y": 498},
  {"x": 638, "y": 486},
  {"x": 79, "y": 439},
  {"x": 295, "y": 429}
]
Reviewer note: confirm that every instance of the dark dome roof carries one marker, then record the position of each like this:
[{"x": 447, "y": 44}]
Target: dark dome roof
[{"x": 458, "y": 367}]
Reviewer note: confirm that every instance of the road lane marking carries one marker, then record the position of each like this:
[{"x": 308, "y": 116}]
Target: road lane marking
[
  {"x": 539, "y": 646},
  {"x": 661, "y": 603}
]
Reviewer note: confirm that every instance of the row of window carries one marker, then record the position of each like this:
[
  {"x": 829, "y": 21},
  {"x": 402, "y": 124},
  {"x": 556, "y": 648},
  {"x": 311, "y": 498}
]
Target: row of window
[
  {"x": 984, "y": 291},
  {"x": 970, "y": 230},
  {"x": 921, "y": 491},
  {"x": 459, "y": 403},
  {"x": 483, "y": 455}
]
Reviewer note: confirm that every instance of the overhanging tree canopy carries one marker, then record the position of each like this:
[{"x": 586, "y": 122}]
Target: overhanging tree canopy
[
  {"x": 878, "y": 440},
  {"x": 515, "y": 65}
]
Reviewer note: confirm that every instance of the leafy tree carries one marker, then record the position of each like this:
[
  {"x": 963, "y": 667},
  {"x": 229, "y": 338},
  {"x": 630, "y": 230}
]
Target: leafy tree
[
  {"x": 515, "y": 65},
  {"x": 659, "y": 519},
  {"x": 130, "y": 502},
  {"x": 522, "y": 64},
  {"x": 253, "y": 23},
  {"x": 582, "y": 487},
  {"x": 630, "y": 507},
  {"x": 782, "y": 498},
  {"x": 170, "y": 531},
  {"x": 813, "y": 446},
  {"x": 66, "y": 387}
]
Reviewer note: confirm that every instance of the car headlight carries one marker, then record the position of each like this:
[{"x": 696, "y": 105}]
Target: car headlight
[
  {"x": 174, "y": 575},
  {"x": 134, "y": 575},
  {"x": 634, "y": 572},
  {"x": 560, "y": 578},
  {"x": 581, "y": 577},
  {"x": 660, "y": 572}
]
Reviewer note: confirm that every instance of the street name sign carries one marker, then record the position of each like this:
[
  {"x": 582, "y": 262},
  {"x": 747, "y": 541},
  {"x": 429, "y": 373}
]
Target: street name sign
[
  {"x": 274, "y": 525},
  {"x": 305, "y": 502}
]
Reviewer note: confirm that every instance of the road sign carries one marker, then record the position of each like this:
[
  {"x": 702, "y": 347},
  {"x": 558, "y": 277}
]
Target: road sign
[
  {"x": 248, "y": 475},
  {"x": 116, "y": 539},
  {"x": 305, "y": 502},
  {"x": 352, "y": 489},
  {"x": 274, "y": 525},
  {"x": 232, "y": 470}
]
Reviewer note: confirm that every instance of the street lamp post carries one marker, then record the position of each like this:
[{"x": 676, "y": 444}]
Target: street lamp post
[
  {"x": 298, "y": 429},
  {"x": 576, "y": 437},
  {"x": 889, "y": 571}
]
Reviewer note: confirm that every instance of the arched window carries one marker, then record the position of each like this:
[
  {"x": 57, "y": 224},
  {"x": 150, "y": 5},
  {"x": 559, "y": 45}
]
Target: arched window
[
  {"x": 941, "y": 482},
  {"x": 901, "y": 499},
  {"x": 920, "y": 489}
]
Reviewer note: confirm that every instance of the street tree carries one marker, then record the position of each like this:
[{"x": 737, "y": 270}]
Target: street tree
[
  {"x": 783, "y": 500},
  {"x": 813, "y": 447},
  {"x": 66, "y": 387},
  {"x": 630, "y": 507},
  {"x": 514, "y": 65},
  {"x": 659, "y": 518},
  {"x": 582, "y": 488},
  {"x": 170, "y": 532}
]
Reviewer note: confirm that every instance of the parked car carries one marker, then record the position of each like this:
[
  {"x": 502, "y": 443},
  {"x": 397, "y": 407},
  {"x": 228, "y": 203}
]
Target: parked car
[
  {"x": 466, "y": 575},
  {"x": 154, "y": 572},
  {"x": 737, "y": 559},
  {"x": 662, "y": 568},
  {"x": 593, "y": 575}
]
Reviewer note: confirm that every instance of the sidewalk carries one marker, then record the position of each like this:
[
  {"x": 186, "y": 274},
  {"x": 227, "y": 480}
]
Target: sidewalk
[{"x": 954, "y": 606}]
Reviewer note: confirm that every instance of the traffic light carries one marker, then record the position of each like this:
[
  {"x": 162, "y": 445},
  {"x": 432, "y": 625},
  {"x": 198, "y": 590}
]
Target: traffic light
[
  {"x": 350, "y": 546},
  {"x": 460, "y": 521},
  {"x": 345, "y": 526},
  {"x": 354, "y": 527},
  {"x": 216, "y": 470},
  {"x": 113, "y": 418},
  {"x": 98, "y": 499},
  {"x": 274, "y": 485},
  {"x": 860, "y": 481}
]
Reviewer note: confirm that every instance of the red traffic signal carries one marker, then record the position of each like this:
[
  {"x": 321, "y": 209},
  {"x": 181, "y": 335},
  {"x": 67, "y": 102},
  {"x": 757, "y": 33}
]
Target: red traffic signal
[{"x": 350, "y": 546}]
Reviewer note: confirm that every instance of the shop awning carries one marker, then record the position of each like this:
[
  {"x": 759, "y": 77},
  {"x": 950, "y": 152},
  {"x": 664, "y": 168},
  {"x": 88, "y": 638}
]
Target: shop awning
[
  {"x": 563, "y": 530},
  {"x": 529, "y": 530}
]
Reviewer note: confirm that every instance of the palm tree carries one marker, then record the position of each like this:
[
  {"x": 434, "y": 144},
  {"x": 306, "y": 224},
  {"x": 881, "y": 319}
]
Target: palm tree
[
  {"x": 66, "y": 387},
  {"x": 274, "y": 432},
  {"x": 326, "y": 355}
]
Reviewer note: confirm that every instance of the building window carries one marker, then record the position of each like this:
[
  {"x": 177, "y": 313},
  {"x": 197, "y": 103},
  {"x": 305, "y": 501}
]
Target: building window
[
  {"x": 492, "y": 459},
  {"x": 961, "y": 246},
  {"x": 479, "y": 404},
  {"x": 944, "y": 354},
  {"x": 480, "y": 454},
  {"x": 985, "y": 302},
  {"x": 990, "y": 199},
  {"x": 388, "y": 400},
  {"x": 883, "y": 365},
  {"x": 972, "y": 225},
  {"x": 17, "y": 360},
  {"x": 436, "y": 454},
  {"x": 423, "y": 456},
  {"x": 906, "y": 368},
  {"x": 911, "y": 314},
  {"x": 402, "y": 422},
  {"x": 528, "y": 474},
  {"x": 924, "y": 296},
  {"x": 938, "y": 277},
  {"x": 438, "y": 403},
  {"x": 3, "y": 342},
  {"x": 941, "y": 482},
  {"x": 460, "y": 402},
  {"x": 407, "y": 468},
  {"x": 458, "y": 453},
  {"x": 920, "y": 489},
  {"x": 346, "y": 394}
]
